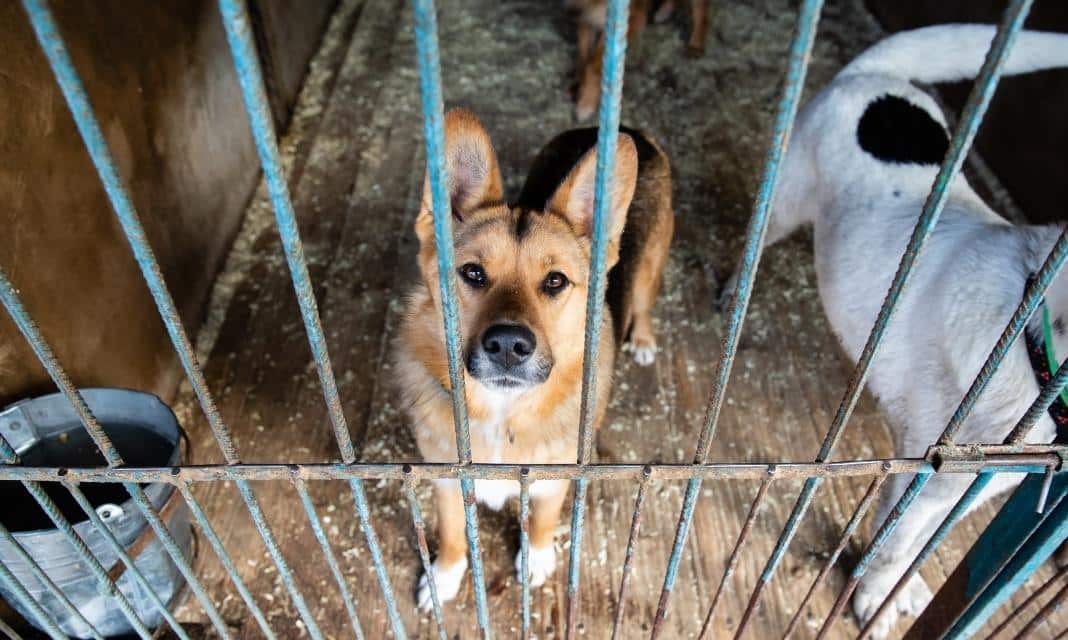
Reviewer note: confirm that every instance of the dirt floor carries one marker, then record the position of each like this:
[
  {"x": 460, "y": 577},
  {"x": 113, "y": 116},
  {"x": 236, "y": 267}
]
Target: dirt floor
[{"x": 356, "y": 165}]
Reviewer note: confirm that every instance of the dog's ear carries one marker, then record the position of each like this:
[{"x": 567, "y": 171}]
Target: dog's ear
[
  {"x": 471, "y": 164},
  {"x": 574, "y": 197}
]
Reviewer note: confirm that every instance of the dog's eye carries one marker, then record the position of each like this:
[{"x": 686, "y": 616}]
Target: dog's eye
[
  {"x": 473, "y": 274},
  {"x": 555, "y": 283}
]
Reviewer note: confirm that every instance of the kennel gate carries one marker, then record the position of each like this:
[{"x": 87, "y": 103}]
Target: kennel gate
[{"x": 1019, "y": 539}]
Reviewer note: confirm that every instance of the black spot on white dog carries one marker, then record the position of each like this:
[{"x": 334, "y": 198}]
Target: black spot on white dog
[{"x": 894, "y": 130}]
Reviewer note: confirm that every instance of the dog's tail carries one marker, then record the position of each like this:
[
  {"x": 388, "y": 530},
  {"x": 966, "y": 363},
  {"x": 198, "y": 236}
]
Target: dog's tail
[{"x": 950, "y": 52}]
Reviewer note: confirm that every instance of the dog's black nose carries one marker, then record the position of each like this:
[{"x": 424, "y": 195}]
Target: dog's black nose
[{"x": 508, "y": 345}]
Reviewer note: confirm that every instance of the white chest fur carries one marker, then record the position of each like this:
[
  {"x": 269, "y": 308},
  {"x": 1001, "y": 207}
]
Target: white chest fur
[{"x": 489, "y": 437}]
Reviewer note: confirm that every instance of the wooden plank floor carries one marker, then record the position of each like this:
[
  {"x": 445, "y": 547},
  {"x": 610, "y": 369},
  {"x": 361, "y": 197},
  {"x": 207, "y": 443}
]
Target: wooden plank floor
[{"x": 356, "y": 165}]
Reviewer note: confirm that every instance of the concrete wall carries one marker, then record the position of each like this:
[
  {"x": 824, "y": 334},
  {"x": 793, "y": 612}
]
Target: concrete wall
[
  {"x": 161, "y": 79},
  {"x": 1025, "y": 133}
]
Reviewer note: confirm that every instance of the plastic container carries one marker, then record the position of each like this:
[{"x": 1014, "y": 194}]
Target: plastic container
[{"x": 46, "y": 432}]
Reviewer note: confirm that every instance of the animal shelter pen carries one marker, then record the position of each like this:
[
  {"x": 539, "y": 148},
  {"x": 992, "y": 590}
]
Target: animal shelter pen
[{"x": 1009, "y": 557}]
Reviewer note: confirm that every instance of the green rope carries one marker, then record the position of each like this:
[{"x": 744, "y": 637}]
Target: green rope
[{"x": 1051, "y": 356}]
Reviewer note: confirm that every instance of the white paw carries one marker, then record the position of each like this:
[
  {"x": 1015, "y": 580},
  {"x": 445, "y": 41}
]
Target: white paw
[
  {"x": 542, "y": 564},
  {"x": 447, "y": 581},
  {"x": 644, "y": 354},
  {"x": 915, "y": 597},
  {"x": 912, "y": 600}
]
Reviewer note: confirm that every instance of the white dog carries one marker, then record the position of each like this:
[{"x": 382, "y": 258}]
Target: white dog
[{"x": 863, "y": 157}]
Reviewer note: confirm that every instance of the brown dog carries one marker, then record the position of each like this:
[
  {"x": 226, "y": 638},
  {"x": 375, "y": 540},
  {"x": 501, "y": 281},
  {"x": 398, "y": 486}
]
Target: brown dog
[
  {"x": 522, "y": 293},
  {"x": 590, "y": 21}
]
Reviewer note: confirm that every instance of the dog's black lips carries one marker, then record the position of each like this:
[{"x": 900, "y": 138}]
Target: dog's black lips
[{"x": 894, "y": 130}]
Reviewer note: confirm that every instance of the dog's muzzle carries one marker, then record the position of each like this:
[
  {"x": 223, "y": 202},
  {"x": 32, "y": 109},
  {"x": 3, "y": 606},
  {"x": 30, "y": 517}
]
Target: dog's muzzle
[{"x": 505, "y": 357}]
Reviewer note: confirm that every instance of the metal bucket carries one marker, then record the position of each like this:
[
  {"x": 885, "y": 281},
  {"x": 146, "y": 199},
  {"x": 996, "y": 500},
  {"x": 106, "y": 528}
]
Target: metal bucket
[{"x": 46, "y": 432}]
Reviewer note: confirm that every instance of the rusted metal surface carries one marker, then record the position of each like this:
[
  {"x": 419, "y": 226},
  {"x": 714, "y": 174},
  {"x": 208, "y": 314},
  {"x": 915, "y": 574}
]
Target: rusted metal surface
[{"x": 628, "y": 557}]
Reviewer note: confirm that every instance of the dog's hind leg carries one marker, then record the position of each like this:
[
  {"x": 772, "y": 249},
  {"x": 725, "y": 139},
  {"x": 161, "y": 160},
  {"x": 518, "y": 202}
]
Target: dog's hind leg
[
  {"x": 588, "y": 90},
  {"x": 695, "y": 48},
  {"x": 451, "y": 564},
  {"x": 914, "y": 529},
  {"x": 648, "y": 276}
]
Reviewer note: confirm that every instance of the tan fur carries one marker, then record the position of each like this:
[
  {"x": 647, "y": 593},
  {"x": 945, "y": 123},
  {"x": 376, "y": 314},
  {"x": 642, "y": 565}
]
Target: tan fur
[
  {"x": 590, "y": 23},
  {"x": 539, "y": 425}
]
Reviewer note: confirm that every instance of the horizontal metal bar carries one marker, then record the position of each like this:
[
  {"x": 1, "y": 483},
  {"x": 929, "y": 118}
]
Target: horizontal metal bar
[
  {"x": 972, "y": 115},
  {"x": 1008, "y": 462}
]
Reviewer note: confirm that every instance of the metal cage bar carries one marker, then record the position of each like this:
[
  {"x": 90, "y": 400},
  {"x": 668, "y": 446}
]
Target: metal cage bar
[
  {"x": 628, "y": 555},
  {"x": 250, "y": 77},
  {"x": 106, "y": 585},
  {"x": 1050, "y": 533},
  {"x": 426, "y": 40},
  {"x": 53, "y": 45},
  {"x": 1038, "y": 408},
  {"x": 851, "y": 527},
  {"x": 8, "y": 631},
  {"x": 1013, "y": 456},
  {"x": 26, "y": 598},
  {"x": 524, "y": 551},
  {"x": 125, "y": 558},
  {"x": 1028, "y": 460},
  {"x": 12, "y": 303},
  {"x": 736, "y": 552},
  {"x": 797, "y": 67},
  {"x": 972, "y": 115},
  {"x": 1036, "y": 596},
  {"x": 424, "y": 551},
  {"x": 12, "y": 583},
  {"x": 328, "y": 554},
  {"x": 615, "y": 51},
  {"x": 223, "y": 555},
  {"x": 1055, "y": 603}
]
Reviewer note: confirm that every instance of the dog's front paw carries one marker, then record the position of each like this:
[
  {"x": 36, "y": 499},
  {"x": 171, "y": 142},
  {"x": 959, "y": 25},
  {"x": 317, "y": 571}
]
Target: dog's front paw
[
  {"x": 912, "y": 600},
  {"x": 643, "y": 350},
  {"x": 447, "y": 581},
  {"x": 542, "y": 564}
]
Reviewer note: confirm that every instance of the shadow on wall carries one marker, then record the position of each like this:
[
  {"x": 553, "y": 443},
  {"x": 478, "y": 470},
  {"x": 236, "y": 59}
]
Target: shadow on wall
[
  {"x": 1025, "y": 132},
  {"x": 162, "y": 82}
]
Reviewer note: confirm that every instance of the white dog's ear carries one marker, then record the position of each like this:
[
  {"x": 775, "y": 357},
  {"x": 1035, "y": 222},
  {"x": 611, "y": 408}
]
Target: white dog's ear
[
  {"x": 471, "y": 164},
  {"x": 574, "y": 197}
]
